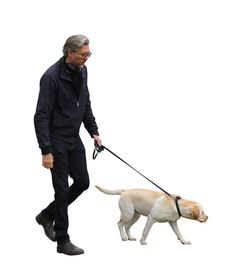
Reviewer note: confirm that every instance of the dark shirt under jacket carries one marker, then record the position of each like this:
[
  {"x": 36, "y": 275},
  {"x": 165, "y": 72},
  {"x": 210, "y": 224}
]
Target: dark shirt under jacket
[{"x": 63, "y": 104}]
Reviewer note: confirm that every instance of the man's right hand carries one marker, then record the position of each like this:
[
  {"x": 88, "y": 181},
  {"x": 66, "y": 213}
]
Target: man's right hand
[{"x": 47, "y": 160}]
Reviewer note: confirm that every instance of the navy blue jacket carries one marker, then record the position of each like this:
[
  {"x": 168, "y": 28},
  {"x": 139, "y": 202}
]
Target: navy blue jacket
[{"x": 60, "y": 108}]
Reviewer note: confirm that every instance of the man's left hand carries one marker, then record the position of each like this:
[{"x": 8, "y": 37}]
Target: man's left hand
[{"x": 97, "y": 140}]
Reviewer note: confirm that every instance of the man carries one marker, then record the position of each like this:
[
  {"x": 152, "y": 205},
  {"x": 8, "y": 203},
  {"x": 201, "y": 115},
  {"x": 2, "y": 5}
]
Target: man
[{"x": 63, "y": 104}]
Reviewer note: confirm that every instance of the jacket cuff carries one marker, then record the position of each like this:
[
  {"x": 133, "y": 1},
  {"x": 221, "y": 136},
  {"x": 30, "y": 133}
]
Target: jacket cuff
[
  {"x": 46, "y": 150},
  {"x": 96, "y": 133}
]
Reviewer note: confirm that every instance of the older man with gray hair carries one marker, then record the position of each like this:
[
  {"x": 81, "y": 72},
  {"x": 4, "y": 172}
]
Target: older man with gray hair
[{"x": 63, "y": 105}]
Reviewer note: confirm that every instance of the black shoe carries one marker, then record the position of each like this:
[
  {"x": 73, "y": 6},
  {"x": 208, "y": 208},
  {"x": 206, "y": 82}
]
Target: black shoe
[
  {"x": 69, "y": 249},
  {"x": 47, "y": 226}
]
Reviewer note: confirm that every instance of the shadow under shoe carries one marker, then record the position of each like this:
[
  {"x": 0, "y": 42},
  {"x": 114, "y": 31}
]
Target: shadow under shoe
[
  {"x": 47, "y": 226},
  {"x": 69, "y": 249}
]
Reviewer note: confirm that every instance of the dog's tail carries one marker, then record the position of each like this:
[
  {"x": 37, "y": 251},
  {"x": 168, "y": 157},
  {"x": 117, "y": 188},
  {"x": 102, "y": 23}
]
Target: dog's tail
[{"x": 111, "y": 192}]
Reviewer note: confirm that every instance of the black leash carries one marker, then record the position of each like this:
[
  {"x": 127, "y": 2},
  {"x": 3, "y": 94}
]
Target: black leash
[{"x": 99, "y": 149}]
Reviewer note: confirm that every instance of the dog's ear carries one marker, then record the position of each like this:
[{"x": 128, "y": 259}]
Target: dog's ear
[{"x": 195, "y": 212}]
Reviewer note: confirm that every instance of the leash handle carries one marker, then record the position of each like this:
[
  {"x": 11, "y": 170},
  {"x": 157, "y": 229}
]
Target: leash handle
[{"x": 97, "y": 150}]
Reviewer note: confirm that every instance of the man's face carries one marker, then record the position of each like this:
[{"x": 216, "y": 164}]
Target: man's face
[{"x": 79, "y": 57}]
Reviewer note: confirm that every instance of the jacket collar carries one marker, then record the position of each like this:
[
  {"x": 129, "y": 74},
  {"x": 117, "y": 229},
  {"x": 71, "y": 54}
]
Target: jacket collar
[
  {"x": 67, "y": 70},
  {"x": 65, "y": 73}
]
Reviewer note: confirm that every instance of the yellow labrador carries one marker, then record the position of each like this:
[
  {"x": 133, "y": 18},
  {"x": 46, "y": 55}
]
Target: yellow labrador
[{"x": 157, "y": 207}]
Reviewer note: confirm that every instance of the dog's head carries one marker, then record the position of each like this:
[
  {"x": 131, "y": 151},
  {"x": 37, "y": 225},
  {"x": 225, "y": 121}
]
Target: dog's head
[
  {"x": 197, "y": 213},
  {"x": 192, "y": 210}
]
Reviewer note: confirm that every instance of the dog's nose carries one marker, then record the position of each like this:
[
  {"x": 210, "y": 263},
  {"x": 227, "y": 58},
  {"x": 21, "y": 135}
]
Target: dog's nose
[{"x": 203, "y": 219}]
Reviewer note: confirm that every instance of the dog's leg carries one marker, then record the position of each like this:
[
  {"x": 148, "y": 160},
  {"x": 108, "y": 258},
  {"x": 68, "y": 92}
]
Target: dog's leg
[
  {"x": 146, "y": 230},
  {"x": 175, "y": 228},
  {"x": 127, "y": 214},
  {"x": 129, "y": 224},
  {"x": 121, "y": 230}
]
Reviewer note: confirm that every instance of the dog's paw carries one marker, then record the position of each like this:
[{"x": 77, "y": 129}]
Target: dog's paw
[
  {"x": 132, "y": 239},
  {"x": 143, "y": 242},
  {"x": 185, "y": 242},
  {"x": 124, "y": 238}
]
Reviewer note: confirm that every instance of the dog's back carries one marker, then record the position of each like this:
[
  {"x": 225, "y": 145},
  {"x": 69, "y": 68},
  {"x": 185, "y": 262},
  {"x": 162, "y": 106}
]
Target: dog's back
[{"x": 142, "y": 200}]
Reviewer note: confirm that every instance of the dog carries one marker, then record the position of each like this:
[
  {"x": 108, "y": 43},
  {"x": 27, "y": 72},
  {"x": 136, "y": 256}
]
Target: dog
[{"x": 157, "y": 207}]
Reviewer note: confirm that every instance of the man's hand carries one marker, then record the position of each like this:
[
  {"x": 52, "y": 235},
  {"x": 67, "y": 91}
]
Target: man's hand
[
  {"x": 97, "y": 140},
  {"x": 47, "y": 160}
]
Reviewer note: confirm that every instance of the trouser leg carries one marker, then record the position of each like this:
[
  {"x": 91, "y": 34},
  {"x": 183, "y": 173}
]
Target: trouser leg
[
  {"x": 73, "y": 163},
  {"x": 59, "y": 174},
  {"x": 58, "y": 210},
  {"x": 78, "y": 171}
]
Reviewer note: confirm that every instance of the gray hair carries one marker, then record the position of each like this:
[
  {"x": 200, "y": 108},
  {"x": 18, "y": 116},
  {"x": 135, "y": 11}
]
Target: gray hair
[{"x": 74, "y": 42}]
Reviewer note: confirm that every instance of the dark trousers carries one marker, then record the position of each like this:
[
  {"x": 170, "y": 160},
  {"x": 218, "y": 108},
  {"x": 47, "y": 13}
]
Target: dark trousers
[{"x": 69, "y": 160}]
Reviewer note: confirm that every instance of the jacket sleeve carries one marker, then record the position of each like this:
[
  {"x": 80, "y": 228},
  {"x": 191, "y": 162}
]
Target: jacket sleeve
[
  {"x": 89, "y": 119},
  {"x": 43, "y": 113}
]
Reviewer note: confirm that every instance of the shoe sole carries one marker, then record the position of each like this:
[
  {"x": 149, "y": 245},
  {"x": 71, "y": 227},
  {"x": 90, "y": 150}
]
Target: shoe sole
[{"x": 70, "y": 253}]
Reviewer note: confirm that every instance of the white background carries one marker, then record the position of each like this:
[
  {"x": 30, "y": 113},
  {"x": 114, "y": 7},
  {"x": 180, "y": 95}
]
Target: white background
[{"x": 162, "y": 85}]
